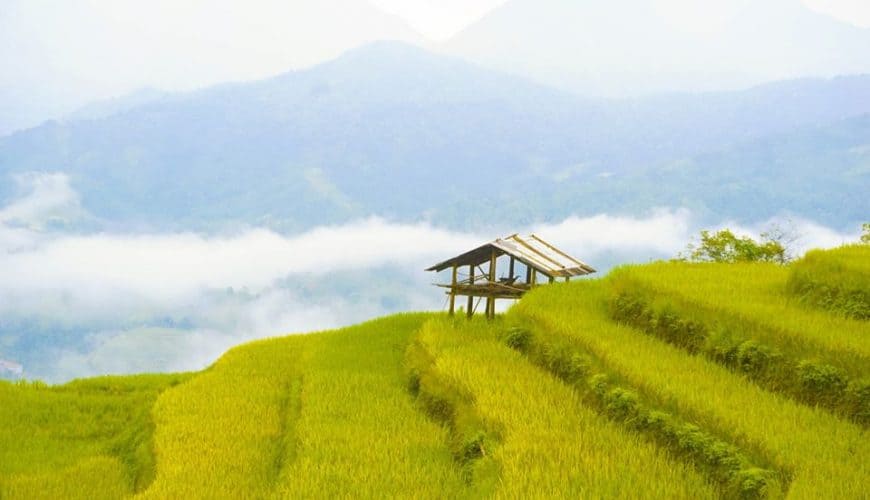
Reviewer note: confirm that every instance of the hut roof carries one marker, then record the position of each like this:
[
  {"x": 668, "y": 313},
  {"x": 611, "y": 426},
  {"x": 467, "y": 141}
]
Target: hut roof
[{"x": 531, "y": 251}]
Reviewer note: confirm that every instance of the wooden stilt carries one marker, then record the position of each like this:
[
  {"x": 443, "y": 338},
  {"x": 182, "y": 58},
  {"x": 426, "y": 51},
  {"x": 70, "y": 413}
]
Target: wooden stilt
[
  {"x": 511, "y": 268},
  {"x": 490, "y": 300},
  {"x": 453, "y": 291},
  {"x": 470, "y": 306},
  {"x": 552, "y": 279},
  {"x": 534, "y": 280}
]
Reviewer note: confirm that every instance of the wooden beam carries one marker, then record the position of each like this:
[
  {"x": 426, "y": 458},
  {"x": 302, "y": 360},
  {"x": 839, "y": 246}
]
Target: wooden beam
[
  {"x": 470, "y": 306},
  {"x": 535, "y": 250},
  {"x": 511, "y": 268},
  {"x": 551, "y": 247},
  {"x": 453, "y": 291},
  {"x": 490, "y": 300}
]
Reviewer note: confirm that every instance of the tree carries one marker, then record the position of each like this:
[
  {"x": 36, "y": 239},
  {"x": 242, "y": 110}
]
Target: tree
[
  {"x": 724, "y": 246},
  {"x": 865, "y": 237},
  {"x": 785, "y": 235}
]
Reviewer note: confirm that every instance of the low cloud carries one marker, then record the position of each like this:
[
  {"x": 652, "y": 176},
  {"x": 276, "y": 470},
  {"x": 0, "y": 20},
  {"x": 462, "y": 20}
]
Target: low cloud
[
  {"x": 662, "y": 233},
  {"x": 48, "y": 197},
  {"x": 119, "y": 303}
]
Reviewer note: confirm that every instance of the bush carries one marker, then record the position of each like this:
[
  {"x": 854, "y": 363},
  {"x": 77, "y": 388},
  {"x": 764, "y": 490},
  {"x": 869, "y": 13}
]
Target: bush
[
  {"x": 837, "y": 280},
  {"x": 518, "y": 338},
  {"x": 821, "y": 382}
]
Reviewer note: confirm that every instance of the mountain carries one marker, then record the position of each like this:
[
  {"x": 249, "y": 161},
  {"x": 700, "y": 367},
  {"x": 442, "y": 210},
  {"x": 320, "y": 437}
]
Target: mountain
[
  {"x": 55, "y": 57},
  {"x": 632, "y": 47},
  {"x": 819, "y": 172},
  {"x": 104, "y": 108},
  {"x": 393, "y": 130}
]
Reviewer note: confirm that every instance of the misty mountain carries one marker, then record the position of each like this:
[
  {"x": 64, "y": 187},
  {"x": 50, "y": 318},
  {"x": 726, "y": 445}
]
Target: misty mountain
[
  {"x": 630, "y": 47},
  {"x": 821, "y": 172},
  {"x": 104, "y": 108},
  {"x": 393, "y": 130},
  {"x": 57, "y": 56}
]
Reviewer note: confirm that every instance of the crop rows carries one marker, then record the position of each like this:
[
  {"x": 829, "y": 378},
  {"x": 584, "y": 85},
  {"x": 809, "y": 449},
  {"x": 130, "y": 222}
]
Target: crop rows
[
  {"x": 538, "y": 436},
  {"x": 359, "y": 433},
  {"x": 824, "y": 456},
  {"x": 744, "y": 344},
  {"x": 737, "y": 474}
]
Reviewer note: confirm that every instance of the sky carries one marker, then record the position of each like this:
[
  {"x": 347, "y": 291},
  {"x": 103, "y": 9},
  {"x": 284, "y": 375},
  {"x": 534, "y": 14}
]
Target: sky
[{"x": 440, "y": 19}]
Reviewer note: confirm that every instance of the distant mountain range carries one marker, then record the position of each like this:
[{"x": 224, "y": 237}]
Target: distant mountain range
[
  {"x": 57, "y": 56},
  {"x": 629, "y": 47},
  {"x": 393, "y": 130}
]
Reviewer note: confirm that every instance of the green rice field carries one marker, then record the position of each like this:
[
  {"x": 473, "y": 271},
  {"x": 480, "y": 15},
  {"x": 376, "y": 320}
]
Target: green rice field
[{"x": 666, "y": 380}]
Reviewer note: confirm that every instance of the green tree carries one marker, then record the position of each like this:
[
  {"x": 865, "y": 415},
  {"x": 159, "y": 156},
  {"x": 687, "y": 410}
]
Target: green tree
[
  {"x": 865, "y": 237},
  {"x": 725, "y": 246}
]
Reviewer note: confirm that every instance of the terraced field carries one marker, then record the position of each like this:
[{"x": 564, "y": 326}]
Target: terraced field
[{"x": 667, "y": 380}]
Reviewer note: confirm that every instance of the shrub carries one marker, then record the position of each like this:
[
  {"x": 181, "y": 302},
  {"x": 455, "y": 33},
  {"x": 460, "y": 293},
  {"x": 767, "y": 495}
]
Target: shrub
[{"x": 837, "y": 280}]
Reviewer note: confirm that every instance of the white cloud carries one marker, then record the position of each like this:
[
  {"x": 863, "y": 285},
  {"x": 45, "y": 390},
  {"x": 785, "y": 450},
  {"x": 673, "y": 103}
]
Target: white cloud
[
  {"x": 158, "y": 302},
  {"x": 49, "y": 197},
  {"x": 172, "y": 267},
  {"x": 663, "y": 233}
]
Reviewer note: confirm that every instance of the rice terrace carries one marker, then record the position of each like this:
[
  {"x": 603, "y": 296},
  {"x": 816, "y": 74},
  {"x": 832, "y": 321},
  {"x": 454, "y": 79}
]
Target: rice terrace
[
  {"x": 666, "y": 380},
  {"x": 434, "y": 249}
]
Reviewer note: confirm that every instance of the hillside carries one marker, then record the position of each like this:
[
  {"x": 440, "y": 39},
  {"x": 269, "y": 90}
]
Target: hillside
[
  {"x": 636, "y": 47},
  {"x": 668, "y": 380},
  {"x": 386, "y": 130}
]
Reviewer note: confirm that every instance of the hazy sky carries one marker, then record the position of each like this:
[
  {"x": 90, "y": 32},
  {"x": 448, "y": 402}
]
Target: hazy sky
[{"x": 439, "y": 19}]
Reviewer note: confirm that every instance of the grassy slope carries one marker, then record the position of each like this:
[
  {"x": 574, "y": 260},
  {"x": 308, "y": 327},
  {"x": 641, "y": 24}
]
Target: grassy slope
[
  {"x": 743, "y": 316},
  {"x": 836, "y": 280},
  {"x": 417, "y": 406},
  {"x": 303, "y": 416},
  {"x": 826, "y": 457},
  {"x": 549, "y": 445},
  {"x": 86, "y": 439},
  {"x": 755, "y": 293}
]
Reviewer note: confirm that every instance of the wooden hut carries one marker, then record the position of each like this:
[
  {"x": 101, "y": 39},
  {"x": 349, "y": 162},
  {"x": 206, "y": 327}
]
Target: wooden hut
[{"x": 475, "y": 274}]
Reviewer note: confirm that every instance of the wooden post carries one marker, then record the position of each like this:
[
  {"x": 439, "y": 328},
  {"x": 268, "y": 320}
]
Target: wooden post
[
  {"x": 470, "y": 306},
  {"x": 511, "y": 269},
  {"x": 567, "y": 279},
  {"x": 552, "y": 279},
  {"x": 528, "y": 275},
  {"x": 453, "y": 291},
  {"x": 490, "y": 300},
  {"x": 534, "y": 280}
]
